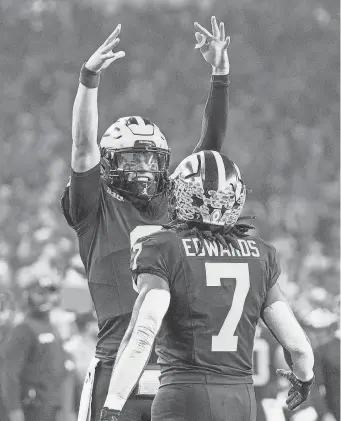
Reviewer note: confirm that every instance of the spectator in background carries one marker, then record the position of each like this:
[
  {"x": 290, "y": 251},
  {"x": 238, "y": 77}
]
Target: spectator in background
[
  {"x": 6, "y": 324},
  {"x": 265, "y": 377},
  {"x": 32, "y": 379},
  {"x": 328, "y": 369},
  {"x": 81, "y": 347}
]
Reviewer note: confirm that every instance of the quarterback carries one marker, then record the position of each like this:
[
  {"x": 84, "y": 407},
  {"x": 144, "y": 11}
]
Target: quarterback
[
  {"x": 116, "y": 194},
  {"x": 205, "y": 304}
]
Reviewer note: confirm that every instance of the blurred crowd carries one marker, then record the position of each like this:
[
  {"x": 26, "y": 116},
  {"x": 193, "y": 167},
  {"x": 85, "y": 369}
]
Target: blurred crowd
[{"x": 283, "y": 133}]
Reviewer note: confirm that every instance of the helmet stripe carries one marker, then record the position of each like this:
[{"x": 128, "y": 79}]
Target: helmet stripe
[
  {"x": 237, "y": 170},
  {"x": 140, "y": 120},
  {"x": 201, "y": 158},
  {"x": 221, "y": 169},
  {"x": 210, "y": 180},
  {"x": 146, "y": 121},
  {"x": 131, "y": 120}
]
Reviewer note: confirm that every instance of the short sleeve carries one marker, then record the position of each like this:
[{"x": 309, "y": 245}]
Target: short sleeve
[
  {"x": 273, "y": 267},
  {"x": 156, "y": 254},
  {"x": 81, "y": 198}
]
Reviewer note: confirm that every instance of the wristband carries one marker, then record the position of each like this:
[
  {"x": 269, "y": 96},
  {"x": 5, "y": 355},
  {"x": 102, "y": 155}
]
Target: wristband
[
  {"x": 88, "y": 78},
  {"x": 220, "y": 80}
]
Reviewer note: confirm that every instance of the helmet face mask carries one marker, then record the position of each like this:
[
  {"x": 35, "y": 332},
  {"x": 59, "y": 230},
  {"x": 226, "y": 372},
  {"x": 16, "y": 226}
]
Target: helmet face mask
[
  {"x": 141, "y": 172},
  {"x": 207, "y": 188},
  {"x": 135, "y": 158}
]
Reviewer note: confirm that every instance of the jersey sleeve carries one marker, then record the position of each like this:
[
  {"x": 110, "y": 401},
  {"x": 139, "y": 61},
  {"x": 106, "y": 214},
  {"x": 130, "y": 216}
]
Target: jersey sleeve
[
  {"x": 215, "y": 118},
  {"x": 81, "y": 198},
  {"x": 156, "y": 254},
  {"x": 273, "y": 267}
]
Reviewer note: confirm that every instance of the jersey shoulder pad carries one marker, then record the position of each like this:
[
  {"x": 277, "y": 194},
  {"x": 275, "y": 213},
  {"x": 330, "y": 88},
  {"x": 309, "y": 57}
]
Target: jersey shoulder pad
[
  {"x": 65, "y": 204},
  {"x": 271, "y": 261},
  {"x": 163, "y": 238},
  {"x": 157, "y": 253}
]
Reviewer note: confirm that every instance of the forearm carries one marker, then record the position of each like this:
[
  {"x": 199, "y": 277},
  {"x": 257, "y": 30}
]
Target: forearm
[
  {"x": 129, "y": 368},
  {"x": 85, "y": 118},
  {"x": 284, "y": 326},
  {"x": 85, "y": 151},
  {"x": 127, "y": 336},
  {"x": 303, "y": 364},
  {"x": 136, "y": 354},
  {"x": 215, "y": 118}
]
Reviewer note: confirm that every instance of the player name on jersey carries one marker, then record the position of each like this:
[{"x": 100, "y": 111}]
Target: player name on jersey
[{"x": 248, "y": 248}]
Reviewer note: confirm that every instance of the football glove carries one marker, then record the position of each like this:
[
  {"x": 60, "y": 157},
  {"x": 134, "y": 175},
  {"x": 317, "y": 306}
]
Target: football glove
[
  {"x": 108, "y": 414},
  {"x": 299, "y": 391}
]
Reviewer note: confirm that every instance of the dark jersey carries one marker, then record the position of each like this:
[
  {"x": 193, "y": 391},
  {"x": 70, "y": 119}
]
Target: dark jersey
[
  {"x": 216, "y": 300},
  {"x": 107, "y": 224}
]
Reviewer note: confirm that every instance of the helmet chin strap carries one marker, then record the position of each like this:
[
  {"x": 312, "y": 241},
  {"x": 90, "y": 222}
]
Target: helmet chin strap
[{"x": 140, "y": 190}]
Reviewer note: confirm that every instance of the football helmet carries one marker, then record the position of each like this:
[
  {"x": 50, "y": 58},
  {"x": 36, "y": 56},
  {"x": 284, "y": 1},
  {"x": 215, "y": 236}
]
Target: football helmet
[
  {"x": 135, "y": 157},
  {"x": 206, "y": 187}
]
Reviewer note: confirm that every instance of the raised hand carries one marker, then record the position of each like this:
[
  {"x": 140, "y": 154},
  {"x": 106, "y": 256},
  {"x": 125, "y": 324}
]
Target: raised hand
[
  {"x": 104, "y": 55},
  {"x": 213, "y": 46},
  {"x": 299, "y": 391}
]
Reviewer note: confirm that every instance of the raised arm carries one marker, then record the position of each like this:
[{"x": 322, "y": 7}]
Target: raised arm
[
  {"x": 80, "y": 198},
  {"x": 213, "y": 47},
  {"x": 85, "y": 150},
  {"x": 298, "y": 352}
]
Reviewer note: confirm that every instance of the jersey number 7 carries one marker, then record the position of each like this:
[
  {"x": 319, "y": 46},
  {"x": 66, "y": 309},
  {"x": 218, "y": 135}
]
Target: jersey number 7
[{"x": 225, "y": 341}]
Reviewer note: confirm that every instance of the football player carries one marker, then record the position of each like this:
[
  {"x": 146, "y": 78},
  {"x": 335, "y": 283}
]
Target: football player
[
  {"x": 117, "y": 193},
  {"x": 204, "y": 282}
]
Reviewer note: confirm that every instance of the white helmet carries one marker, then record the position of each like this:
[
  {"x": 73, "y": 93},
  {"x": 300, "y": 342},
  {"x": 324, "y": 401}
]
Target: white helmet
[
  {"x": 135, "y": 157},
  {"x": 206, "y": 187}
]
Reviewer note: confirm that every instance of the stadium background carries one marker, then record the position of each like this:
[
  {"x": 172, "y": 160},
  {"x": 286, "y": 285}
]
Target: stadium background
[{"x": 283, "y": 129}]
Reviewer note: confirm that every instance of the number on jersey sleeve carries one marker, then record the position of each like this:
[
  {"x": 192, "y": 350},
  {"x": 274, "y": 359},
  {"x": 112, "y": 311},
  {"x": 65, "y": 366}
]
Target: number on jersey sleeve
[{"x": 137, "y": 233}]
